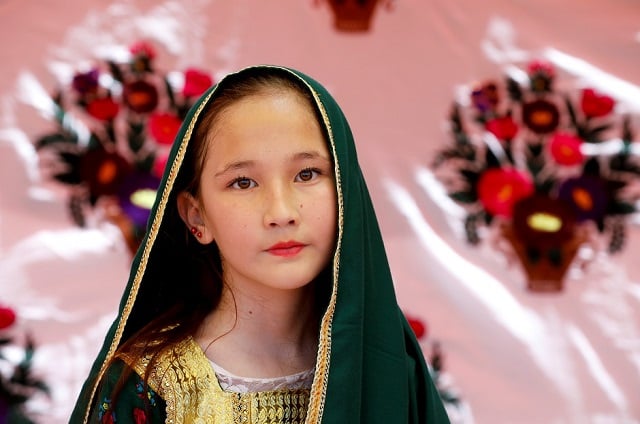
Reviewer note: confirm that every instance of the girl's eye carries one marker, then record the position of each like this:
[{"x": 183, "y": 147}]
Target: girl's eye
[
  {"x": 307, "y": 174},
  {"x": 242, "y": 183}
]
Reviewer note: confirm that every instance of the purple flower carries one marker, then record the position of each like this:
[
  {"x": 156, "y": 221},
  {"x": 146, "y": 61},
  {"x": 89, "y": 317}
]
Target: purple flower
[{"x": 136, "y": 196}]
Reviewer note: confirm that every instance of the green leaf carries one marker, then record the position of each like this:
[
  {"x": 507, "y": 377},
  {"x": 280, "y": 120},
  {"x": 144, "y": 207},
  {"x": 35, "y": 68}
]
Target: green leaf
[
  {"x": 621, "y": 208},
  {"x": 470, "y": 176},
  {"x": 170, "y": 94},
  {"x": 591, "y": 167},
  {"x": 464, "y": 197},
  {"x": 491, "y": 160},
  {"x": 55, "y": 138},
  {"x": 535, "y": 149},
  {"x": 146, "y": 163},
  {"x": 627, "y": 131},
  {"x": 571, "y": 110},
  {"x": 593, "y": 135},
  {"x": 514, "y": 90},
  {"x": 136, "y": 136},
  {"x": 488, "y": 218},
  {"x": 115, "y": 70},
  {"x": 546, "y": 186}
]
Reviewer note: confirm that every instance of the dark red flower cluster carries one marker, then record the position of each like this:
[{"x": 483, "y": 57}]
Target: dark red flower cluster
[
  {"x": 533, "y": 148},
  {"x": 133, "y": 113}
]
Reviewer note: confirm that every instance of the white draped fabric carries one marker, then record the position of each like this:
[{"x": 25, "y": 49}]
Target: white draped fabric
[{"x": 512, "y": 356}]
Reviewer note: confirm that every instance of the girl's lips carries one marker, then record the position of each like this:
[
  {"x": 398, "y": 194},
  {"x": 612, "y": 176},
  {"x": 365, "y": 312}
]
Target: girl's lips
[{"x": 286, "y": 249}]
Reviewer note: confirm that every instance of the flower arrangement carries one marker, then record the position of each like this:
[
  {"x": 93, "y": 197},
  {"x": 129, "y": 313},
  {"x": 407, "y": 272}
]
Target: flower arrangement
[
  {"x": 17, "y": 384},
  {"x": 115, "y": 124},
  {"x": 441, "y": 379},
  {"x": 551, "y": 168}
]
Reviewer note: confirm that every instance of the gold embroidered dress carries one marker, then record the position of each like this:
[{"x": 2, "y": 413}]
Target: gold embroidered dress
[
  {"x": 185, "y": 380},
  {"x": 369, "y": 366}
]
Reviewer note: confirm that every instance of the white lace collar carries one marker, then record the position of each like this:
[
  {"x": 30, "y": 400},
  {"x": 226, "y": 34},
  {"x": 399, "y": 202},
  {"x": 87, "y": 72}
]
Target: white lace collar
[{"x": 233, "y": 383}]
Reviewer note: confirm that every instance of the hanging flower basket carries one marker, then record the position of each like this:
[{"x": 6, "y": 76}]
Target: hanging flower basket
[
  {"x": 353, "y": 15},
  {"x": 115, "y": 123},
  {"x": 545, "y": 237},
  {"x": 544, "y": 167}
]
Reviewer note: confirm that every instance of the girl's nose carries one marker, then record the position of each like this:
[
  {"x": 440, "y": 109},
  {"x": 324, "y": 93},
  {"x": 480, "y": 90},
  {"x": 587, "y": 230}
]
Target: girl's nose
[{"x": 281, "y": 208}]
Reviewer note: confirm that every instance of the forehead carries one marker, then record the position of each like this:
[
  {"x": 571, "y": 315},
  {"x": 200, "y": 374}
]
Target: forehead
[{"x": 267, "y": 122}]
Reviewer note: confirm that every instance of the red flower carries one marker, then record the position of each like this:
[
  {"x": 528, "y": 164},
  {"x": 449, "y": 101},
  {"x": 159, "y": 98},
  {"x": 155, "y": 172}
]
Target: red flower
[
  {"x": 140, "y": 96},
  {"x": 103, "y": 109},
  {"x": 594, "y": 105},
  {"x": 541, "y": 76},
  {"x": 107, "y": 419},
  {"x": 164, "y": 127},
  {"x": 196, "y": 82},
  {"x": 504, "y": 128},
  {"x": 417, "y": 326},
  {"x": 500, "y": 188},
  {"x": 565, "y": 149},
  {"x": 139, "y": 416},
  {"x": 7, "y": 317},
  {"x": 159, "y": 164},
  {"x": 538, "y": 67}
]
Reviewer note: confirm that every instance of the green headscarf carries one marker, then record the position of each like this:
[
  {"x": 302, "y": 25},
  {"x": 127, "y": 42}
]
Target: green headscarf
[{"x": 370, "y": 367}]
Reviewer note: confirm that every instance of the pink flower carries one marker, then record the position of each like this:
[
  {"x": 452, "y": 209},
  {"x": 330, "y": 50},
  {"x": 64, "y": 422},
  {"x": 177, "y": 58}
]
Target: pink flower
[
  {"x": 196, "y": 82},
  {"x": 565, "y": 149}
]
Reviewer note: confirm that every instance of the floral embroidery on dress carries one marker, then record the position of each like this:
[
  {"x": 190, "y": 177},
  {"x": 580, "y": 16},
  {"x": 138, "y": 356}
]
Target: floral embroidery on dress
[
  {"x": 150, "y": 394},
  {"x": 105, "y": 415},
  {"x": 139, "y": 416}
]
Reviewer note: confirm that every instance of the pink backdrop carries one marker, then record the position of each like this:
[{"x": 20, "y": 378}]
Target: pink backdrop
[{"x": 512, "y": 356}]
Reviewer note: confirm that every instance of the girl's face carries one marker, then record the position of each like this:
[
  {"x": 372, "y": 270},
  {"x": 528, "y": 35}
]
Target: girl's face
[{"x": 267, "y": 193}]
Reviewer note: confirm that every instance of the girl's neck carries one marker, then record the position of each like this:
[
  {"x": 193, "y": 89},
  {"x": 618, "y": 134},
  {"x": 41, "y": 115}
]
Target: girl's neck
[{"x": 267, "y": 335}]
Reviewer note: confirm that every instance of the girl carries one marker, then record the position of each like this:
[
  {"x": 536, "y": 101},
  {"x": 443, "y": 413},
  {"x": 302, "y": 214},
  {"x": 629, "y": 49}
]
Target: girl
[{"x": 261, "y": 293}]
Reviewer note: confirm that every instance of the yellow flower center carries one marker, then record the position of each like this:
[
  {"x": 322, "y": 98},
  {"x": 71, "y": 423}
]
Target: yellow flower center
[
  {"x": 143, "y": 198},
  {"x": 544, "y": 222}
]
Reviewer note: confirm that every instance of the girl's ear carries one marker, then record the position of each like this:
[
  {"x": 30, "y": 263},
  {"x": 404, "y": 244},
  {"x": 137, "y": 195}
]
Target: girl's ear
[{"x": 191, "y": 214}]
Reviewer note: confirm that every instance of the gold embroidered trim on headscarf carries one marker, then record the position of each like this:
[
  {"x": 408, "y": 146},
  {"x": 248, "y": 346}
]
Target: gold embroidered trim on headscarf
[
  {"x": 323, "y": 359},
  {"x": 184, "y": 378},
  {"x": 151, "y": 237}
]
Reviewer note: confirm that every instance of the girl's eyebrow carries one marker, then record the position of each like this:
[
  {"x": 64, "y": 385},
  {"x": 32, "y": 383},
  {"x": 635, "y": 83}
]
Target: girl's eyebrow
[
  {"x": 244, "y": 164},
  {"x": 233, "y": 166},
  {"x": 309, "y": 155}
]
